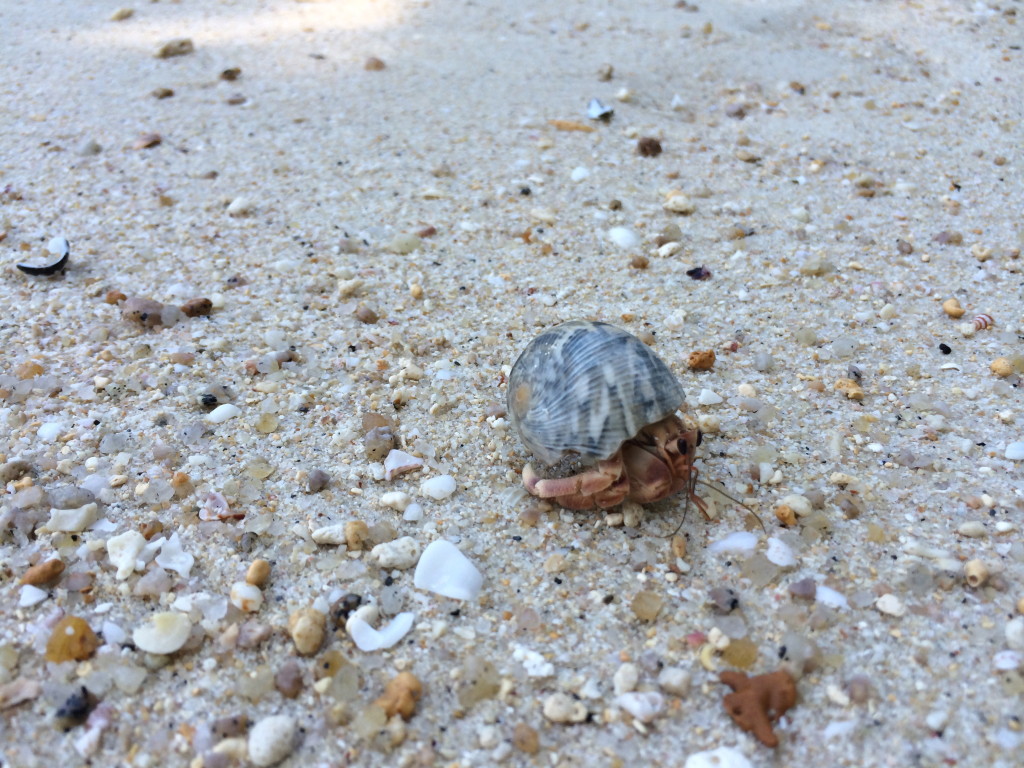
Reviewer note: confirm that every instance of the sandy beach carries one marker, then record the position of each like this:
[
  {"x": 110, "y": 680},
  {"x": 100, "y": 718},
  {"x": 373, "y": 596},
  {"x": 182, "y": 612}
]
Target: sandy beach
[{"x": 266, "y": 269}]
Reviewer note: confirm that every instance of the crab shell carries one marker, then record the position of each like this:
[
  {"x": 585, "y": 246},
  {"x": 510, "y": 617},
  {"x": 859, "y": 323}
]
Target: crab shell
[{"x": 585, "y": 388}]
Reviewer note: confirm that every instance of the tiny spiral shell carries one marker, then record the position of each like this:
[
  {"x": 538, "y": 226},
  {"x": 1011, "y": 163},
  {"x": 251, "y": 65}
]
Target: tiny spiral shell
[{"x": 983, "y": 321}]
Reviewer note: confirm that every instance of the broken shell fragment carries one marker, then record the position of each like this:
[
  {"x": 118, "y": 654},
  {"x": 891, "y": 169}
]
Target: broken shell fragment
[{"x": 57, "y": 247}]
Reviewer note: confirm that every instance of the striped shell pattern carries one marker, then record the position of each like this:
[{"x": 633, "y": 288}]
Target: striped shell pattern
[{"x": 585, "y": 388}]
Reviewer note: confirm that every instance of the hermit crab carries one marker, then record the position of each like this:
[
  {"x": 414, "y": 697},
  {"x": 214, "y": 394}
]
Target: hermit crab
[{"x": 597, "y": 392}]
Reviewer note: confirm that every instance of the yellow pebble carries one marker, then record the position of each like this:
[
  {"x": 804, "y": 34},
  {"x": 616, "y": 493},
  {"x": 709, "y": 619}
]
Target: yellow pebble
[
  {"x": 258, "y": 573},
  {"x": 785, "y": 514},
  {"x": 1020, "y": 605},
  {"x": 952, "y": 308},
  {"x": 1001, "y": 367}
]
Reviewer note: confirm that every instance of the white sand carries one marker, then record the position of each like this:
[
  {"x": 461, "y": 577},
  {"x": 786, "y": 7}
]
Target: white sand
[{"x": 826, "y": 131}]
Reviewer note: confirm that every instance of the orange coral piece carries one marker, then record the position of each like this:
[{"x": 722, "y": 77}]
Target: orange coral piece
[{"x": 757, "y": 702}]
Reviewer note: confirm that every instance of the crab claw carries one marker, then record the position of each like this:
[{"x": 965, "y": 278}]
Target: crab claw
[{"x": 603, "y": 486}]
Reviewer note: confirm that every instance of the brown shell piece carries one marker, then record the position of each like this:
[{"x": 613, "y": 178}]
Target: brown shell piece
[
  {"x": 72, "y": 639},
  {"x": 758, "y": 702}
]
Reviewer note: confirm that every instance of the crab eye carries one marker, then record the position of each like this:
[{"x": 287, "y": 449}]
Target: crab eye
[
  {"x": 682, "y": 446},
  {"x": 700, "y": 437}
]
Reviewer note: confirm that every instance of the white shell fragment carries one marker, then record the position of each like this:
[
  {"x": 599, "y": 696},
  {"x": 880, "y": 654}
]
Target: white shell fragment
[
  {"x": 59, "y": 249},
  {"x": 174, "y": 558},
  {"x": 1015, "y": 451},
  {"x": 624, "y": 237},
  {"x": 440, "y": 487},
  {"x": 643, "y": 706},
  {"x": 368, "y": 639},
  {"x": 399, "y": 554},
  {"x": 162, "y": 633},
  {"x": 586, "y": 388},
  {"x": 597, "y": 110},
  {"x": 31, "y": 595},
  {"x": 397, "y": 500},
  {"x": 444, "y": 570},
  {"x": 222, "y": 413},
  {"x": 780, "y": 553},
  {"x": 72, "y": 520},
  {"x": 330, "y": 534},
  {"x": 739, "y": 542},
  {"x": 124, "y": 550},
  {"x": 398, "y": 462},
  {"x": 891, "y": 605}
]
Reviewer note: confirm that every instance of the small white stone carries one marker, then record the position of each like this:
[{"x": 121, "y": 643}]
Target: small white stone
[
  {"x": 534, "y": 664},
  {"x": 72, "y": 520},
  {"x": 722, "y": 757},
  {"x": 670, "y": 249},
  {"x": 579, "y": 173},
  {"x": 644, "y": 706},
  {"x": 623, "y": 237},
  {"x": 837, "y": 695},
  {"x": 162, "y": 633},
  {"x": 123, "y": 551},
  {"x": 679, "y": 203},
  {"x": 707, "y": 397},
  {"x": 49, "y": 431},
  {"x": 240, "y": 206},
  {"x": 1015, "y": 633},
  {"x": 399, "y": 554},
  {"x": 397, "y": 500},
  {"x": 222, "y": 413},
  {"x": 973, "y": 529},
  {"x": 1005, "y": 661},
  {"x": 440, "y": 487},
  {"x": 31, "y": 595},
  {"x": 780, "y": 553},
  {"x": 330, "y": 534},
  {"x": 674, "y": 680},
  {"x": 625, "y": 678},
  {"x": 1015, "y": 451},
  {"x": 444, "y": 570},
  {"x": 413, "y": 513},
  {"x": 890, "y": 604},
  {"x": 368, "y": 639},
  {"x": 246, "y": 597},
  {"x": 272, "y": 739},
  {"x": 937, "y": 719},
  {"x": 563, "y": 708},
  {"x": 739, "y": 542}
]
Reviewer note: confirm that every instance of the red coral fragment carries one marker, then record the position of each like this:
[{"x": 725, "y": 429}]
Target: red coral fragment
[{"x": 757, "y": 702}]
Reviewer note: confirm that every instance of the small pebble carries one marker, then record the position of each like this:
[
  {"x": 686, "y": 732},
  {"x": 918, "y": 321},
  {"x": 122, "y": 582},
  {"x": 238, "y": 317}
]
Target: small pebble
[
  {"x": 272, "y": 739},
  {"x": 952, "y": 308},
  {"x": 400, "y": 695},
  {"x": 288, "y": 679},
  {"x": 1014, "y": 633},
  {"x": 179, "y": 46},
  {"x": 240, "y": 206},
  {"x": 674, "y": 680},
  {"x": 1001, "y": 367},
  {"x": 258, "y": 573},
  {"x": 400, "y": 554},
  {"x": 398, "y": 462},
  {"x": 373, "y": 64},
  {"x": 396, "y": 500},
  {"x": 316, "y": 481},
  {"x": 623, "y": 237},
  {"x": 222, "y": 413},
  {"x": 1015, "y": 451},
  {"x": 31, "y": 595},
  {"x": 648, "y": 146},
  {"x": 162, "y": 633},
  {"x": 43, "y": 573},
  {"x": 357, "y": 533},
  {"x": 439, "y": 488},
  {"x": 197, "y": 307},
  {"x": 679, "y": 203},
  {"x": 331, "y": 534},
  {"x": 307, "y": 627},
  {"x": 890, "y": 604},
  {"x": 701, "y": 360},
  {"x": 563, "y": 708},
  {"x": 525, "y": 739},
  {"x": 646, "y": 605},
  {"x": 707, "y": 397},
  {"x": 72, "y": 520},
  {"x": 246, "y": 597},
  {"x": 724, "y": 599},
  {"x": 404, "y": 243},
  {"x": 146, "y": 312},
  {"x": 625, "y": 678}
]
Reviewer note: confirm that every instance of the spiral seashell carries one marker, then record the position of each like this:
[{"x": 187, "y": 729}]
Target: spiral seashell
[
  {"x": 585, "y": 388},
  {"x": 983, "y": 321}
]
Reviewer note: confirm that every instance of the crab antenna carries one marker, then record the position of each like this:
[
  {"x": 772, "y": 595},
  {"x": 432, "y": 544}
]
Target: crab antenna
[{"x": 735, "y": 501}]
